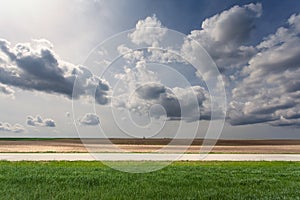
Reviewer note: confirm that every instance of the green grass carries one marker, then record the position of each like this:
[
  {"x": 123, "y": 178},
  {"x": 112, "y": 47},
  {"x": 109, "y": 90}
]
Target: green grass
[{"x": 181, "y": 180}]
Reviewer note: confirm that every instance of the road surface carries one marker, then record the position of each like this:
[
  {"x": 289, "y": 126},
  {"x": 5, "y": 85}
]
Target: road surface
[{"x": 145, "y": 157}]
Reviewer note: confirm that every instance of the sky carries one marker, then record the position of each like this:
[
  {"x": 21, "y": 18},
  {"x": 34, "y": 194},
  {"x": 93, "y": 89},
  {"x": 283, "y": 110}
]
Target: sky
[{"x": 150, "y": 68}]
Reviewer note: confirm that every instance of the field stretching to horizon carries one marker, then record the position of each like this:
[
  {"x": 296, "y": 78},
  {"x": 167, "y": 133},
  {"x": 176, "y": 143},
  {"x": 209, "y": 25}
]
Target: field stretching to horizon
[
  {"x": 180, "y": 180},
  {"x": 75, "y": 145}
]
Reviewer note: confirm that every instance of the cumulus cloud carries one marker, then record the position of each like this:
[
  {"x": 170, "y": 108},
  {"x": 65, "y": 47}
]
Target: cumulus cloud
[
  {"x": 150, "y": 91},
  {"x": 140, "y": 88},
  {"x": 7, "y": 91},
  {"x": 224, "y": 36},
  {"x": 39, "y": 121},
  {"x": 233, "y": 25},
  {"x": 148, "y": 31},
  {"x": 164, "y": 56},
  {"x": 89, "y": 119},
  {"x": 151, "y": 32},
  {"x": 36, "y": 67},
  {"x": 266, "y": 87},
  {"x": 178, "y": 103},
  {"x": 263, "y": 79},
  {"x": 151, "y": 54},
  {"x": 7, "y": 127},
  {"x": 270, "y": 89}
]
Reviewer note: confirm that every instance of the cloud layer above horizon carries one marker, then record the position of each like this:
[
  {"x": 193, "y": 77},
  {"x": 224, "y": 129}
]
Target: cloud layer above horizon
[
  {"x": 261, "y": 80},
  {"x": 35, "y": 67}
]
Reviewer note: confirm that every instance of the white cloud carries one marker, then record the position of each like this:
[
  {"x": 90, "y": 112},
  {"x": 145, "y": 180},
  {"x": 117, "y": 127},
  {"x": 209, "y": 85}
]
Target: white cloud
[
  {"x": 233, "y": 25},
  {"x": 148, "y": 31},
  {"x": 224, "y": 36},
  {"x": 266, "y": 86},
  {"x": 270, "y": 91},
  {"x": 36, "y": 67},
  {"x": 164, "y": 56},
  {"x": 139, "y": 89},
  {"x": 131, "y": 55},
  {"x": 39, "y": 121},
  {"x": 6, "y": 91},
  {"x": 89, "y": 119},
  {"x": 16, "y": 128}
]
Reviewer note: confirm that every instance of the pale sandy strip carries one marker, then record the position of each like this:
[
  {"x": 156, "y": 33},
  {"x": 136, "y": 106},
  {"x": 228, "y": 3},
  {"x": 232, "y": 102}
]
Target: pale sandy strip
[{"x": 146, "y": 157}]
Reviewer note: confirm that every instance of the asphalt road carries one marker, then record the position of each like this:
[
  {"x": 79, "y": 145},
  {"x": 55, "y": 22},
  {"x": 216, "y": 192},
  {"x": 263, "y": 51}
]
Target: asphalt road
[{"x": 146, "y": 157}]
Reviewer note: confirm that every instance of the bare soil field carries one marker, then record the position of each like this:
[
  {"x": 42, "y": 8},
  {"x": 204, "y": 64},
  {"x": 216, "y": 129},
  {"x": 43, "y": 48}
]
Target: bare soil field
[{"x": 148, "y": 145}]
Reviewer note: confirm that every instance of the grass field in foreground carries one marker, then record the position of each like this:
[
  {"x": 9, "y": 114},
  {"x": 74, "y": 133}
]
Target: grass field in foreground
[{"x": 180, "y": 180}]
